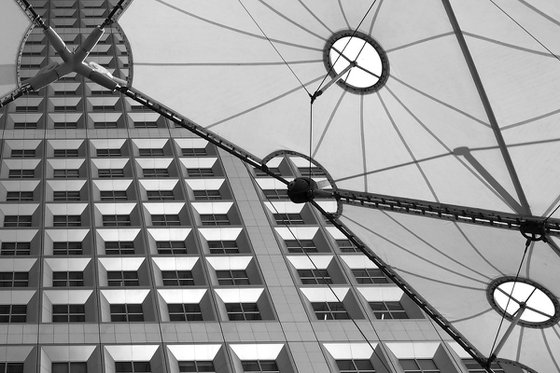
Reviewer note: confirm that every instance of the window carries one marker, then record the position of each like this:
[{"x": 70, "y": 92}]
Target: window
[
  {"x": 370, "y": 276},
  {"x": 17, "y": 220},
  {"x": 194, "y": 152},
  {"x": 155, "y": 172},
  {"x": 67, "y": 195},
  {"x": 122, "y": 278},
  {"x": 15, "y": 248},
  {"x": 145, "y": 124},
  {"x": 330, "y": 310},
  {"x": 25, "y": 125},
  {"x": 200, "y": 172},
  {"x": 21, "y": 174},
  {"x": 171, "y": 247},
  {"x": 314, "y": 276},
  {"x": 165, "y": 220},
  {"x": 67, "y": 248},
  {"x": 274, "y": 170},
  {"x": 419, "y": 366},
  {"x": 11, "y": 367},
  {"x": 13, "y": 313},
  {"x": 104, "y": 125},
  {"x": 151, "y": 152},
  {"x": 14, "y": 279},
  {"x": 19, "y": 196},
  {"x": 257, "y": 366},
  {"x": 116, "y": 220},
  {"x": 388, "y": 310},
  {"x": 68, "y": 313},
  {"x": 288, "y": 219},
  {"x": 355, "y": 366},
  {"x": 474, "y": 367},
  {"x": 66, "y": 153},
  {"x": 113, "y": 195},
  {"x": 67, "y": 220},
  {"x": 301, "y": 246},
  {"x": 177, "y": 278},
  {"x": 275, "y": 193},
  {"x": 160, "y": 195},
  {"x": 108, "y": 173},
  {"x": 232, "y": 277},
  {"x": 223, "y": 247},
  {"x": 243, "y": 311},
  {"x": 69, "y": 367},
  {"x": 65, "y": 125},
  {"x": 65, "y": 279},
  {"x": 346, "y": 246},
  {"x": 184, "y": 312},
  {"x": 196, "y": 366},
  {"x": 207, "y": 195},
  {"x": 126, "y": 312},
  {"x": 109, "y": 152},
  {"x": 119, "y": 248},
  {"x": 311, "y": 171},
  {"x": 66, "y": 174},
  {"x": 132, "y": 366},
  {"x": 23, "y": 153},
  {"x": 215, "y": 219}
]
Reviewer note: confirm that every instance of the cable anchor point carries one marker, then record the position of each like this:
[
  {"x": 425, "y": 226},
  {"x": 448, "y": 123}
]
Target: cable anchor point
[{"x": 534, "y": 231}]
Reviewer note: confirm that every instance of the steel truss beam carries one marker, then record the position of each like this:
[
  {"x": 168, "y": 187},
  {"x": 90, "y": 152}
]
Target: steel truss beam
[{"x": 447, "y": 212}]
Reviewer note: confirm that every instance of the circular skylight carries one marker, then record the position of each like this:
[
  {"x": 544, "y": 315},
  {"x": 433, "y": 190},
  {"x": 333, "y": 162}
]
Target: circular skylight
[
  {"x": 370, "y": 67},
  {"x": 541, "y": 308}
]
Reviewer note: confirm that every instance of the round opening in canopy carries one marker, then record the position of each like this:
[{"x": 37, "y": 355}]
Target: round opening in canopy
[
  {"x": 540, "y": 307},
  {"x": 371, "y": 65}
]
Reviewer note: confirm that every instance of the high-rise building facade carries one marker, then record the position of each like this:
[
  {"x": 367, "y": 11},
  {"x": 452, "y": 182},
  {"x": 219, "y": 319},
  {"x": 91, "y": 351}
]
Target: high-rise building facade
[{"x": 129, "y": 245}]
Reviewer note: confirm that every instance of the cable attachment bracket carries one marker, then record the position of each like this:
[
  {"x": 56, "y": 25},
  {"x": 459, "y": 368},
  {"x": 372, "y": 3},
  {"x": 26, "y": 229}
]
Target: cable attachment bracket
[
  {"x": 305, "y": 189},
  {"x": 534, "y": 231}
]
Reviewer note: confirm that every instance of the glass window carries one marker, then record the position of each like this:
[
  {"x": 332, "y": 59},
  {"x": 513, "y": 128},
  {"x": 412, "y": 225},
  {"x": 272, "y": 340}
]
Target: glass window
[
  {"x": 13, "y": 313},
  {"x": 155, "y": 172},
  {"x": 419, "y": 366},
  {"x": 274, "y": 170},
  {"x": 346, "y": 246},
  {"x": 275, "y": 193},
  {"x": 126, "y": 312},
  {"x": 25, "y": 125},
  {"x": 11, "y": 367},
  {"x": 14, "y": 279},
  {"x": 113, "y": 195},
  {"x": 65, "y": 279},
  {"x": 474, "y": 367},
  {"x": 171, "y": 247},
  {"x": 108, "y": 173},
  {"x": 68, "y": 313},
  {"x": 23, "y": 153},
  {"x": 109, "y": 152},
  {"x": 132, "y": 366},
  {"x": 17, "y": 221},
  {"x": 330, "y": 310},
  {"x": 314, "y": 276},
  {"x": 21, "y": 174},
  {"x": 388, "y": 310},
  {"x": 194, "y": 152},
  {"x": 184, "y": 312},
  {"x": 214, "y": 219},
  {"x": 288, "y": 219},
  {"x": 355, "y": 366},
  {"x": 151, "y": 152},
  {"x": 116, "y": 220},
  {"x": 67, "y": 220},
  {"x": 160, "y": 195},
  {"x": 233, "y": 277},
  {"x": 67, "y": 195},
  {"x": 69, "y": 367},
  {"x": 196, "y": 366},
  {"x": 301, "y": 246},
  {"x": 243, "y": 311},
  {"x": 177, "y": 278},
  {"x": 67, "y": 248},
  {"x": 258, "y": 366},
  {"x": 207, "y": 195},
  {"x": 19, "y": 196},
  {"x": 66, "y": 174},
  {"x": 65, "y": 125},
  {"x": 145, "y": 124},
  {"x": 15, "y": 248},
  {"x": 119, "y": 248},
  {"x": 165, "y": 220},
  {"x": 311, "y": 171},
  {"x": 200, "y": 172},
  {"x": 370, "y": 276},
  {"x": 223, "y": 247},
  {"x": 122, "y": 278},
  {"x": 66, "y": 153}
]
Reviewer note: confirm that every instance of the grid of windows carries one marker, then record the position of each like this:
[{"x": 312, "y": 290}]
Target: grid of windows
[
  {"x": 19, "y": 196},
  {"x": 207, "y": 195},
  {"x": 21, "y": 174},
  {"x": 330, "y": 310},
  {"x": 346, "y": 246},
  {"x": 193, "y": 152},
  {"x": 474, "y": 367},
  {"x": 14, "y": 279},
  {"x": 214, "y": 219},
  {"x": 171, "y": 247},
  {"x": 68, "y": 313},
  {"x": 275, "y": 193},
  {"x": 184, "y": 312},
  {"x": 165, "y": 220},
  {"x": 196, "y": 367},
  {"x": 132, "y": 367},
  {"x": 122, "y": 278},
  {"x": 23, "y": 153},
  {"x": 258, "y": 366},
  {"x": 67, "y": 248},
  {"x": 223, "y": 247},
  {"x": 13, "y": 313},
  {"x": 15, "y": 248},
  {"x": 109, "y": 152},
  {"x": 18, "y": 221},
  {"x": 355, "y": 366},
  {"x": 370, "y": 276},
  {"x": 11, "y": 367},
  {"x": 116, "y": 220},
  {"x": 200, "y": 172},
  {"x": 243, "y": 311},
  {"x": 126, "y": 312},
  {"x": 66, "y": 174},
  {"x": 419, "y": 366},
  {"x": 66, "y": 153},
  {"x": 67, "y": 220},
  {"x": 160, "y": 195},
  {"x": 67, "y": 278},
  {"x": 108, "y": 173},
  {"x": 113, "y": 195},
  {"x": 388, "y": 310},
  {"x": 151, "y": 152},
  {"x": 177, "y": 278},
  {"x": 314, "y": 276},
  {"x": 301, "y": 246},
  {"x": 69, "y": 367},
  {"x": 233, "y": 277},
  {"x": 119, "y": 248},
  {"x": 155, "y": 172},
  {"x": 66, "y": 195},
  {"x": 288, "y": 219}
]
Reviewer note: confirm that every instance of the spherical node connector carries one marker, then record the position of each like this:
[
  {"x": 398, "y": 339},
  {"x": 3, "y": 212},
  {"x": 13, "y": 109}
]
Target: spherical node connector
[{"x": 302, "y": 189}]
